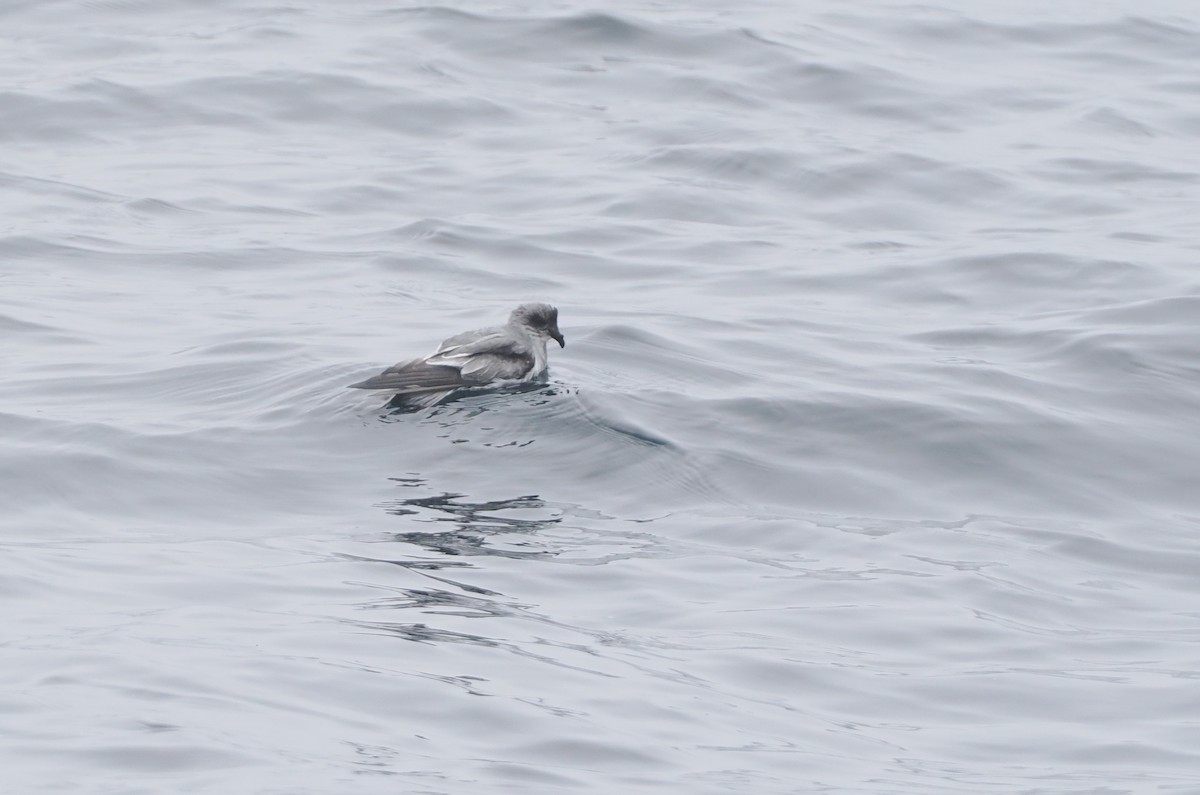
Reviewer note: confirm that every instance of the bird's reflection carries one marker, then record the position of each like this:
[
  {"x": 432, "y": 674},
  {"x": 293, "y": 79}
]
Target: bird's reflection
[
  {"x": 460, "y": 528},
  {"x": 443, "y": 603},
  {"x": 423, "y": 633},
  {"x": 473, "y": 528},
  {"x": 455, "y": 528}
]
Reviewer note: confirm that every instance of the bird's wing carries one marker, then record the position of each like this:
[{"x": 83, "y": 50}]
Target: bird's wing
[
  {"x": 465, "y": 360},
  {"x": 473, "y": 358},
  {"x": 484, "y": 368},
  {"x": 490, "y": 341},
  {"x": 483, "y": 357},
  {"x": 415, "y": 376},
  {"x": 497, "y": 362}
]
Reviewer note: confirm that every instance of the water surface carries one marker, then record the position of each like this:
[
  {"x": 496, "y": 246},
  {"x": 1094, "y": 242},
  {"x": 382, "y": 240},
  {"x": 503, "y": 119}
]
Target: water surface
[{"x": 870, "y": 464}]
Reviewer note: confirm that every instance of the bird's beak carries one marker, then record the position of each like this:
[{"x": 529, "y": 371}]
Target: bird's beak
[{"x": 558, "y": 337}]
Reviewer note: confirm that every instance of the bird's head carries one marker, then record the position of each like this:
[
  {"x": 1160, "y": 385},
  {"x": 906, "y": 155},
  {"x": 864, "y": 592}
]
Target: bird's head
[{"x": 540, "y": 319}]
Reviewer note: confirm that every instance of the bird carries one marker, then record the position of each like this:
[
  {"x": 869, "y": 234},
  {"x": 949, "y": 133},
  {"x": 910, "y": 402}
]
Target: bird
[{"x": 514, "y": 352}]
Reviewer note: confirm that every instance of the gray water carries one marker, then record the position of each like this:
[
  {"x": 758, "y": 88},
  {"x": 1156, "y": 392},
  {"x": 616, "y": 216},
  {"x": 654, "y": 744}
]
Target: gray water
[{"x": 871, "y": 464}]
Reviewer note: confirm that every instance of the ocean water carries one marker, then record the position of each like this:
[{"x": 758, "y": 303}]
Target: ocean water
[{"x": 872, "y": 462}]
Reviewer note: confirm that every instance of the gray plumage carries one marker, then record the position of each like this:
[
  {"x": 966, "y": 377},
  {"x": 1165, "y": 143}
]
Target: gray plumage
[{"x": 515, "y": 351}]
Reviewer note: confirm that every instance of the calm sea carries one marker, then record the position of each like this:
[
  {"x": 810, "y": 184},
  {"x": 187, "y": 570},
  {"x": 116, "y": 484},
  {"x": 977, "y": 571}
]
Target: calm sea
[{"x": 872, "y": 463}]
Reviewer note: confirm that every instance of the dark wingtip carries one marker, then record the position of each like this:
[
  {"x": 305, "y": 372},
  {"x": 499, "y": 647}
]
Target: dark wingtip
[{"x": 374, "y": 382}]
